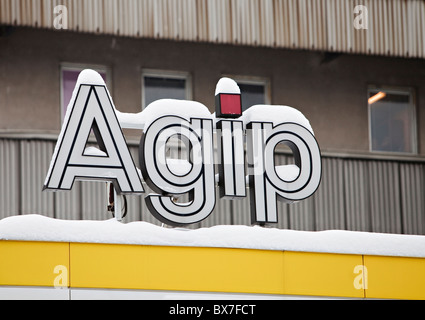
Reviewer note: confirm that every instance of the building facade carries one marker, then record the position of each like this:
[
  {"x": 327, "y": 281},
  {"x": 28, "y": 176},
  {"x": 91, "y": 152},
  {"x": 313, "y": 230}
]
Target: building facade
[{"x": 355, "y": 69}]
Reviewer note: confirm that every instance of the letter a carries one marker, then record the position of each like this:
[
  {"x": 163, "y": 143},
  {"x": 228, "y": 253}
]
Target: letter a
[
  {"x": 360, "y": 21},
  {"x": 91, "y": 108},
  {"x": 60, "y": 281},
  {"x": 61, "y": 20},
  {"x": 360, "y": 281}
]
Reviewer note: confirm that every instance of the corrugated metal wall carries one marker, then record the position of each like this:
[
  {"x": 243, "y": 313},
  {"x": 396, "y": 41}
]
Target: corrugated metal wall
[
  {"x": 395, "y": 27},
  {"x": 355, "y": 194}
]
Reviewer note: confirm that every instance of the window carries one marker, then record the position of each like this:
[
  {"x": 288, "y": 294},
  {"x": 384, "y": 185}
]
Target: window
[
  {"x": 165, "y": 85},
  {"x": 69, "y": 76},
  {"x": 253, "y": 91},
  {"x": 392, "y": 120}
]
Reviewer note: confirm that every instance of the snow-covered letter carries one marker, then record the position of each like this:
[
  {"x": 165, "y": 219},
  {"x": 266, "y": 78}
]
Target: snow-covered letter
[
  {"x": 91, "y": 109},
  {"x": 269, "y": 183}
]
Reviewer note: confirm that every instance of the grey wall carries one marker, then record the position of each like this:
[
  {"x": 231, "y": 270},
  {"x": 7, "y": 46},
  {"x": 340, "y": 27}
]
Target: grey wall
[{"x": 329, "y": 89}]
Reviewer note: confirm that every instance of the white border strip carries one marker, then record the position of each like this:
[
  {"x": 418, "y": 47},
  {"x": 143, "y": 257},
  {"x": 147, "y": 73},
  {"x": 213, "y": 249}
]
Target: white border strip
[{"x": 51, "y": 293}]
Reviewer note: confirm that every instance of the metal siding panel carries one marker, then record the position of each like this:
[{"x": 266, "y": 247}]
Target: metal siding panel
[
  {"x": 241, "y": 211},
  {"x": 68, "y": 203},
  {"x": 282, "y": 215},
  {"x": 134, "y": 211},
  {"x": 297, "y": 215},
  {"x": 376, "y": 192},
  {"x": 396, "y": 27},
  {"x": 361, "y": 195},
  {"x": 385, "y": 196},
  {"x": 329, "y": 198},
  {"x": 94, "y": 201},
  {"x": 146, "y": 215},
  {"x": 222, "y": 213},
  {"x": 301, "y": 215},
  {"x": 34, "y": 162},
  {"x": 412, "y": 184},
  {"x": 9, "y": 178},
  {"x": 356, "y": 192}
]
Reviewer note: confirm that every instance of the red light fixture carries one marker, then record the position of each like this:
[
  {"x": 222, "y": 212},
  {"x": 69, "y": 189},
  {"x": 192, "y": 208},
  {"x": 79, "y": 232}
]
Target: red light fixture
[{"x": 228, "y": 105}]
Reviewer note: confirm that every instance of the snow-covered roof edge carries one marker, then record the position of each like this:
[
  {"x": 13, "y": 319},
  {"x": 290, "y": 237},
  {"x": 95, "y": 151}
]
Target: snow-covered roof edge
[{"x": 41, "y": 228}]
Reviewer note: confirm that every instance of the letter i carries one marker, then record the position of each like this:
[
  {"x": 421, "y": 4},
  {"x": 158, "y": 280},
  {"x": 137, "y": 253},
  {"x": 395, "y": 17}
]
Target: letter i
[{"x": 231, "y": 166}]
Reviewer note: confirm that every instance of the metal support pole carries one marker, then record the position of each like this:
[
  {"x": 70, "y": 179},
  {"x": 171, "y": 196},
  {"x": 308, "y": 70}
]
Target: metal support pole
[{"x": 117, "y": 206}]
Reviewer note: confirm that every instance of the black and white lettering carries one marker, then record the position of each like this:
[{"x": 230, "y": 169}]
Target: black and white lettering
[
  {"x": 198, "y": 181},
  {"x": 184, "y": 189}
]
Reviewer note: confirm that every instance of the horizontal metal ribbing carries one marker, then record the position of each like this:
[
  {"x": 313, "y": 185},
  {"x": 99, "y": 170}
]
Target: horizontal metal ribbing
[{"x": 390, "y": 27}]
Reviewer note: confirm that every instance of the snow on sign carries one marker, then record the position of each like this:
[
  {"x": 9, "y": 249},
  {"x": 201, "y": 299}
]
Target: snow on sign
[{"x": 261, "y": 127}]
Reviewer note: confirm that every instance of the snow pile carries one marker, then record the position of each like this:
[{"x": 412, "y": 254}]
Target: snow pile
[
  {"x": 288, "y": 172},
  {"x": 227, "y": 85},
  {"x": 173, "y": 107},
  {"x": 276, "y": 115},
  {"x": 94, "y": 152},
  {"x": 179, "y": 167},
  {"x": 41, "y": 228},
  {"x": 163, "y": 107},
  {"x": 130, "y": 120}
]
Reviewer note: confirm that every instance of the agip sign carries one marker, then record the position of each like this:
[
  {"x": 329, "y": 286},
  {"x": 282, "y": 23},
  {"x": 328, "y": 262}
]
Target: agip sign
[{"x": 261, "y": 128}]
